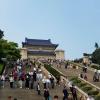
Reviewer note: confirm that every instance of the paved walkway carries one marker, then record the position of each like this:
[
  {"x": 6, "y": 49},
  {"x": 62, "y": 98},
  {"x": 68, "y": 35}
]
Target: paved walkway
[
  {"x": 75, "y": 72},
  {"x": 20, "y": 94},
  {"x": 25, "y": 94},
  {"x": 28, "y": 94}
]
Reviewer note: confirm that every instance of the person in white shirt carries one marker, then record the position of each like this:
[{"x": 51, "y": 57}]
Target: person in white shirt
[
  {"x": 49, "y": 76},
  {"x": 40, "y": 70},
  {"x": 31, "y": 73},
  {"x": 34, "y": 69},
  {"x": 11, "y": 81},
  {"x": 70, "y": 84},
  {"x": 48, "y": 83},
  {"x": 41, "y": 76},
  {"x": 20, "y": 83},
  {"x": 3, "y": 80},
  {"x": 99, "y": 74},
  {"x": 44, "y": 82}
]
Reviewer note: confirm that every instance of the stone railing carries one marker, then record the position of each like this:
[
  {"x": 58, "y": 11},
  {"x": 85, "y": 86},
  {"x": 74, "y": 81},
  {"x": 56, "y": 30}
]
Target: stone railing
[
  {"x": 89, "y": 68},
  {"x": 81, "y": 93},
  {"x": 67, "y": 81},
  {"x": 46, "y": 72},
  {"x": 98, "y": 88}
]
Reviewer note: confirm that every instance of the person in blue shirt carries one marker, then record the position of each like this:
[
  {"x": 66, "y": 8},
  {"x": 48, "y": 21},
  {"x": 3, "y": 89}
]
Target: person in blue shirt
[{"x": 65, "y": 93}]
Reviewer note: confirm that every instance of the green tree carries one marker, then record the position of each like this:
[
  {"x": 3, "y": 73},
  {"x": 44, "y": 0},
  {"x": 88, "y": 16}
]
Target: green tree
[
  {"x": 9, "y": 50},
  {"x": 96, "y": 56},
  {"x": 1, "y": 34},
  {"x": 13, "y": 52},
  {"x": 96, "y": 45},
  {"x": 3, "y": 44}
]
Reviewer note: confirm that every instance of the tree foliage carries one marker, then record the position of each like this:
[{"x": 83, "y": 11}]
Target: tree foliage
[
  {"x": 96, "y": 45},
  {"x": 9, "y": 50},
  {"x": 86, "y": 54},
  {"x": 78, "y": 60},
  {"x": 1, "y": 34},
  {"x": 96, "y": 56}
]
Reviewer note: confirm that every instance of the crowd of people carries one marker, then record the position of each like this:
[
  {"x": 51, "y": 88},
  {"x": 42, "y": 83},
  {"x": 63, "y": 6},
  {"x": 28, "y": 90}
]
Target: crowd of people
[
  {"x": 83, "y": 74},
  {"x": 23, "y": 75},
  {"x": 28, "y": 75},
  {"x": 96, "y": 76}
]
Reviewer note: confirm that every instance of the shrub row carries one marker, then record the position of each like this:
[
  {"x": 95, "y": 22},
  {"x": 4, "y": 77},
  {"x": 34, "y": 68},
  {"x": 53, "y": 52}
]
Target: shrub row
[
  {"x": 97, "y": 97},
  {"x": 2, "y": 67},
  {"x": 54, "y": 72},
  {"x": 95, "y": 67},
  {"x": 85, "y": 87}
]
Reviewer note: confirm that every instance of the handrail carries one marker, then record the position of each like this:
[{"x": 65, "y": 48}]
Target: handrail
[
  {"x": 47, "y": 72},
  {"x": 90, "y": 84},
  {"x": 82, "y": 92}
]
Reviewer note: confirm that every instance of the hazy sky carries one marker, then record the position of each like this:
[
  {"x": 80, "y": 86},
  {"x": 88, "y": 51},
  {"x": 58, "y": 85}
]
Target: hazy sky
[{"x": 73, "y": 24}]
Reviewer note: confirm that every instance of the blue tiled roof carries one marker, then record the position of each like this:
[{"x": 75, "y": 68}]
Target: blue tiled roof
[
  {"x": 38, "y": 42},
  {"x": 42, "y": 53}
]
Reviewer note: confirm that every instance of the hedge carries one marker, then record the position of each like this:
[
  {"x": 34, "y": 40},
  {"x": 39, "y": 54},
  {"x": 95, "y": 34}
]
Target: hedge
[
  {"x": 54, "y": 72},
  {"x": 1, "y": 68},
  {"x": 76, "y": 81},
  {"x": 73, "y": 78},
  {"x": 93, "y": 92},
  {"x": 82, "y": 84},
  {"x": 85, "y": 87},
  {"x": 95, "y": 67},
  {"x": 97, "y": 97}
]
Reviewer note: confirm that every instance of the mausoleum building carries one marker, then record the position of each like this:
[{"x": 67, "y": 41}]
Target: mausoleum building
[{"x": 37, "y": 48}]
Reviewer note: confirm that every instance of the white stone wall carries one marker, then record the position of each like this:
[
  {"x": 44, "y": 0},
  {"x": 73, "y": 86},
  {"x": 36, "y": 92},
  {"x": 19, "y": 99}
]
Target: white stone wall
[
  {"x": 23, "y": 52},
  {"x": 41, "y": 57},
  {"x": 60, "y": 54},
  {"x": 37, "y": 48}
]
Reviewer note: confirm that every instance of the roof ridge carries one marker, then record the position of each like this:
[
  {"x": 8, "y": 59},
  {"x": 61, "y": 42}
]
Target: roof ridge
[
  {"x": 38, "y": 39},
  {"x": 39, "y": 42}
]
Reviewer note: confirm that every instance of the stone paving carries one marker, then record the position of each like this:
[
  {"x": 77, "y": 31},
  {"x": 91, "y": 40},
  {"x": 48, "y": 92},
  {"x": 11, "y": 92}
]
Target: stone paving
[
  {"x": 27, "y": 94},
  {"x": 20, "y": 94},
  {"x": 75, "y": 72}
]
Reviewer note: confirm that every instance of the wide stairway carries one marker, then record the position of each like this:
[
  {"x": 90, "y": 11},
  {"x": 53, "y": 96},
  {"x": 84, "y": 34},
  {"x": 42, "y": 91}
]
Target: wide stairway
[
  {"x": 75, "y": 72},
  {"x": 28, "y": 94}
]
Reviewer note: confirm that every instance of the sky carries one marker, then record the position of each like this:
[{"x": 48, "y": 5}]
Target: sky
[{"x": 73, "y": 24}]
